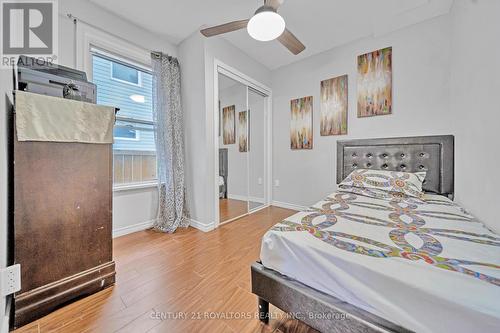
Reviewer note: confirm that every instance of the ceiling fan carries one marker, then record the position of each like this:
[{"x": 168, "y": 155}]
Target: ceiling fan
[{"x": 265, "y": 25}]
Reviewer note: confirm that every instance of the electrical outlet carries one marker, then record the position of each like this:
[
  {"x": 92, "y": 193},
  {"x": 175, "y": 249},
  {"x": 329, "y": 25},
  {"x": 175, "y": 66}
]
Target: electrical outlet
[
  {"x": 277, "y": 183},
  {"x": 259, "y": 181},
  {"x": 10, "y": 279}
]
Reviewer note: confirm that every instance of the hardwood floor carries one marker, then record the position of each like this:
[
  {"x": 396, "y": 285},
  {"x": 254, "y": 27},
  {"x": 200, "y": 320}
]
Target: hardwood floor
[
  {"x": 161, "y": 278},
  {"x": 230, "y": 208}
]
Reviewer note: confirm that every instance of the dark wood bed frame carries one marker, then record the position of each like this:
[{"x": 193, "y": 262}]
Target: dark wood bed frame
[{"x": 326, "y": 313}]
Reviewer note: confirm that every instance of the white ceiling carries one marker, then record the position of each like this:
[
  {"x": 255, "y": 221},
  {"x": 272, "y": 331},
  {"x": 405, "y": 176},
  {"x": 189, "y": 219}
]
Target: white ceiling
[{"x": 319, "y": 24}]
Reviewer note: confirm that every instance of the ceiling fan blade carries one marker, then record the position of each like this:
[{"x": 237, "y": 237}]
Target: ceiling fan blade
[
  {"x": 273, "y": 3},
  {"x": 291, "y": 42},
  {"x": 223, "y": 28}
]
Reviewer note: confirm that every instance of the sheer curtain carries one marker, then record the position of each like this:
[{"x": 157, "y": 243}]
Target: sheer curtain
[{"x": 169, "y": 138}]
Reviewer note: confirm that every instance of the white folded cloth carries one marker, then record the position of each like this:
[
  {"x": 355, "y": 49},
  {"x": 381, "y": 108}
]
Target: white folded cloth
[{"x": 47, "y": 118}]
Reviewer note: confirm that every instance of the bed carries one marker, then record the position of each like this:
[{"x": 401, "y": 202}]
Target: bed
[{"x": 354, "y": 262}]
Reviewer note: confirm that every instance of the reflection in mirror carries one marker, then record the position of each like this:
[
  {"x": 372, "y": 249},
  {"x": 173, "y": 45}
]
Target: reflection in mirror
[
  {"x": 233, "y": 164},
  {"x": 256, "y": 150}
]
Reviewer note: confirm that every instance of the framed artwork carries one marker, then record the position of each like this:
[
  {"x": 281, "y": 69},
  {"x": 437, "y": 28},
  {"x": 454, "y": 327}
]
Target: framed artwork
[
  {"x": 301, "y": 123},
  {"x": 333, "y": 106},
  {"x": 375, "y": 83},
  {"x": 228, "y": 125},
  {"x": 243, "y": 130}
]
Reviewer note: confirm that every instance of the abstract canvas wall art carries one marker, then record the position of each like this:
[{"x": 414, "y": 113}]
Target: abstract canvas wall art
[
  {"x": 301, "y": 123},
  {"x": 228, "y": 125},
  {"x": 375, "y": 83},
  {"x": 243, "y": 131},
  {"x": 333, "y": 106}
]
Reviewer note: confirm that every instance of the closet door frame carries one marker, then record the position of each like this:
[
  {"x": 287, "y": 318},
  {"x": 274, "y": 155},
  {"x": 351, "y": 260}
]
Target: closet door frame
[{"x": 224, "y": 69}]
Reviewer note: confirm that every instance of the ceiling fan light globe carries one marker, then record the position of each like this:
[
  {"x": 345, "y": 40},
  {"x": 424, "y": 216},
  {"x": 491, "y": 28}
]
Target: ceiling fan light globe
[{"x": 266, "y": 26}]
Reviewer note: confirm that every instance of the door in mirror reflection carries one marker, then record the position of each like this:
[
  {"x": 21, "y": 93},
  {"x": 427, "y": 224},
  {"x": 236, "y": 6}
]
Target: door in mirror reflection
[
  {"x": 233, "y": 152},
  {"x": 256, "y": 130}
]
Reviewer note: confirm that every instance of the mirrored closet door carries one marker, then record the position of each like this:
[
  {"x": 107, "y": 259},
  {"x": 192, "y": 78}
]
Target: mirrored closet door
[
  {"x": 256, "y": 149},
  {"x": 242, "y": 149},
  {"x": 233, "y": 163}
]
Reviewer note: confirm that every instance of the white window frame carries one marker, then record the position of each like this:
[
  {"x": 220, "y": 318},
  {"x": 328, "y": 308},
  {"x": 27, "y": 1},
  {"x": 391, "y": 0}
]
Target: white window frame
[{"x": 89, "y": 39}]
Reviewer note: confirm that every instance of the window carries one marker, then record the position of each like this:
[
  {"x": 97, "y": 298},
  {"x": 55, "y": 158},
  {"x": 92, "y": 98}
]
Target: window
[
  {"x": 125, "y": 73},
  {"x": 130, "y": 88},
  {"x": 125, "y": 132}
]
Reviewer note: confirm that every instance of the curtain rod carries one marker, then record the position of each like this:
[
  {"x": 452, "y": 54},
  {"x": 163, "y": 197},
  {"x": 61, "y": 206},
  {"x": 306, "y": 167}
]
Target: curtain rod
[{"x": 76, "y": 19}]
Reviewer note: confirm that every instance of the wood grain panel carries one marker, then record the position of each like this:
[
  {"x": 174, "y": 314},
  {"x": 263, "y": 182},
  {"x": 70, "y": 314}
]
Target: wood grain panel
[
  {"x": 224, "y": 28},
  {"x": 185, "y": 272},
  {"x": 62, "y": 223},
  {"x": 61, "y": 187},
  {"x": 291, "y": 42}
]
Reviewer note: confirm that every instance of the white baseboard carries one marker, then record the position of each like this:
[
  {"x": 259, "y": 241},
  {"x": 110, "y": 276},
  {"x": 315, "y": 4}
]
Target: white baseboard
[
  {"x": 132, "y": 228},
  {"x": 197, "y": 224},
  {"x": 263, "y": 206},
  {"x": 148, "y": 224},
  {"x": 237, "y": 197},
  {"x": 202, "y": 226},
  {"x": 244, "y": 198},
  {"x": 255, "y": 199},
  {"x": 288, "y": 205}
]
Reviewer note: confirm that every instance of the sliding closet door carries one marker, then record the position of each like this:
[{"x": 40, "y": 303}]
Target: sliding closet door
[
  {"x": 233, "y": 155},
  {"x": 256, "y": 149}
]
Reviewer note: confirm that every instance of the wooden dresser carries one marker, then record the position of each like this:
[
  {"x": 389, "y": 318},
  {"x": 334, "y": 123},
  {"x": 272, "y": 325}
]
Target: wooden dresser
[{"x": 62, "y": 224}]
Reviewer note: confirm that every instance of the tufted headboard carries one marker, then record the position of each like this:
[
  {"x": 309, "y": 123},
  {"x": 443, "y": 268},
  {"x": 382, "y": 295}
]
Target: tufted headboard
[{"x": 434, "y": 154}]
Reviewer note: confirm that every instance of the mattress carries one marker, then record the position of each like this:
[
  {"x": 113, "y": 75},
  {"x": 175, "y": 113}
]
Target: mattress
[{"x": 426, "y": 265}]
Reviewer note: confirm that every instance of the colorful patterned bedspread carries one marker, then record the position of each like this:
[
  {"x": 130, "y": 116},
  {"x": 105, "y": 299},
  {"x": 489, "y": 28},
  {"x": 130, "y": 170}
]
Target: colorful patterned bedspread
[{"x": 425, "y": 264}]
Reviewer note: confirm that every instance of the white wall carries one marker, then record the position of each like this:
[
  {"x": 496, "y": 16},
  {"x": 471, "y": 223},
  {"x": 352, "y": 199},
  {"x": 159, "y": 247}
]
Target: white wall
[
  {"x": 446, "y": 74},
  {"x": 194, "y": 52},
  {"x": 442, "y": 85},
  {"x": 192, "y": 61},
  {"x": 421, "y": 56},
  {"x": 475, "y": 85},
  {"x": 132, "y": 209},
  {"x": 108, "y": 22},
  {"x": 220, "y": 49},
  {"x": 237, "y": 161}
]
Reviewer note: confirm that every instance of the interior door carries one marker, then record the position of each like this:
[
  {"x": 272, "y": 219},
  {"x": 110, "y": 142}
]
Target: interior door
[{"x": 257, "y": 135}]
